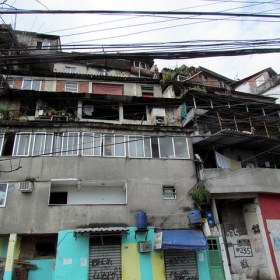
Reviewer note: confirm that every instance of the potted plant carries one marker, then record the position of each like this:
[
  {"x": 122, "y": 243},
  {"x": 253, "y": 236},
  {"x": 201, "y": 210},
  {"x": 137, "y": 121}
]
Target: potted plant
[
  {"x": 201, "y": 195},
  {"x": 5, "y": 111}
]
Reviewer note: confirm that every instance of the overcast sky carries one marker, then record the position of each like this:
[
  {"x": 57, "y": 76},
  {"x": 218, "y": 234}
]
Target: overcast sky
[{"x": 104, "y": 29}]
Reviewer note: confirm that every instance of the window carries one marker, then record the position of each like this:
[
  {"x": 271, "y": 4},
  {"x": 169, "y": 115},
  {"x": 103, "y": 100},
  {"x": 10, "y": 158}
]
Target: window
[
  {"x": 73, "y": 191},
  {"x": 22, "y": 144},
  {"x": 141, "y": 65},
  {"x": 46, "y": 45},
  {"x": 147, "y": 91},
  {"x": 45, "y": 249},
  {"x": 135, "y": 112},
  {"x": 102, "y": 72},
  {"x": 70, "y": 143},
  {"x": 3, "y": 194},
  {"x": 113, "y": 145},
  {"x": 31, "y": 84},
  {"x": 71, "y": 86},
  {"x": 2, "y": 137},
  {"x": 169, "y": 192},
  {"x": 43, "y": 45},
  {"x": 91, "y": 144},
  {"x": 42, "y": 144},
  {"x": 173, "y": 147},
  {"x": 139, "y": 146},
  {"x": 101, "y": 110},
  {"x": 69, "y": 69}
]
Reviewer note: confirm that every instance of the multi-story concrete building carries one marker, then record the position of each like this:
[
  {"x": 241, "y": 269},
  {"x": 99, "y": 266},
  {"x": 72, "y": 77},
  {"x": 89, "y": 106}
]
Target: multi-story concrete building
[{"x": 96, "y": 172}]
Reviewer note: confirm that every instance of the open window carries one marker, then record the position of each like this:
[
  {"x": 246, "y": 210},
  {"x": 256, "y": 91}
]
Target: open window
[
  {"x": 73, "y": 192},
  {"x": 101, "y": 110},
  {"x": 135, "y": 112}
]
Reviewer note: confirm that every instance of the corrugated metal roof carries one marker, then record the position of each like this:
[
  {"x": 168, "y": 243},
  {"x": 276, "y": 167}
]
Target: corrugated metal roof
[{"x": 101, "y": 230}]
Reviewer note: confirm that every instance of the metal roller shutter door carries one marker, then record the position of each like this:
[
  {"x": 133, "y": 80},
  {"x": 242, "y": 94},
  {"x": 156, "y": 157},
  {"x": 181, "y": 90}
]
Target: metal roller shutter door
[
  {"x": 105, "y": 262},
  {"x": 180, "y": 264}
]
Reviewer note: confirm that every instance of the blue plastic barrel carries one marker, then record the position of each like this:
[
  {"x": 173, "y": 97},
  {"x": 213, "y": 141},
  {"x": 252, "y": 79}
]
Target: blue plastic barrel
[
  {"x": 195, "y": 216},
  {"x": 141, "y": 220}
]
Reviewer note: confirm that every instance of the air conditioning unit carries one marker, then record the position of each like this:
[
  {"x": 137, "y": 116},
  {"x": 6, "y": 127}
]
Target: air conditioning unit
[
  {"x": 158, "y": 121},
  {"x": 26, "y": 187},
  {"x": 145, "y": 247}
]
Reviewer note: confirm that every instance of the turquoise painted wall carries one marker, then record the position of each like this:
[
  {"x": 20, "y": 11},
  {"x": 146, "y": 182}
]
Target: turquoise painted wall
[
  {"x": 140, "y": 266},
  {"x": 203, "y": 265},
  {"x": 72, "y": 260},
  {"x": 44, "y": 271},
  {"x": 4, "y": 246},
  {"x": 72, "y": 256}
]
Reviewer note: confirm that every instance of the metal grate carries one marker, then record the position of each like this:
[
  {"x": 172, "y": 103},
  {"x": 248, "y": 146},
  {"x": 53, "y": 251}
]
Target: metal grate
[
  {"x": 180, "y": 264},
  {"x": 105, "y": 262}
]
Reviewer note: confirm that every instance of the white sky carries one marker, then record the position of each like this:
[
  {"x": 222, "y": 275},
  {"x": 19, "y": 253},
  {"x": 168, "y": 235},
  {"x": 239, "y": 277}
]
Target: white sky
[{"x": 89, "y": 27}]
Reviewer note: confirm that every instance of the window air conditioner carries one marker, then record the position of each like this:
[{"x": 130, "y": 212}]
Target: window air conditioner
[
  {"x": 145, "y": 247},
  {"x": 26, "y": 187},
  {"x": 158, "y": 121}
]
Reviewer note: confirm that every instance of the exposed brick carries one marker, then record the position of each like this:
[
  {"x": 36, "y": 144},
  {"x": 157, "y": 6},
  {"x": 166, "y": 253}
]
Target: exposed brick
[
  {"x": 60, "y": 86},
  {"x": 17, "y": 83},
  {"x": 43, "y": 84},
  {"x": 83, "y": 87}
]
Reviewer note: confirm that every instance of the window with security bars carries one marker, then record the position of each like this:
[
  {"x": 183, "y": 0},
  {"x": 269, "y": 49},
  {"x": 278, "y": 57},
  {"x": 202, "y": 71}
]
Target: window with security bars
[{"x": 169, "y": 192}]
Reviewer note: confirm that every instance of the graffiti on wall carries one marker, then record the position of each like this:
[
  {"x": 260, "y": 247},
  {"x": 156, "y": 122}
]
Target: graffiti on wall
[
  {"x": 182, "y": 275},
  {"x": 232, "y": 233},
  {"x": 104, "y": 269}
]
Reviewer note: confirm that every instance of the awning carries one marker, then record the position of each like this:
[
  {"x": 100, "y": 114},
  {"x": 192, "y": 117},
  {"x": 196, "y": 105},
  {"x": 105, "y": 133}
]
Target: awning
[
  {"x": 184, "y": 239},
  {"x": 101, "y": 230}
]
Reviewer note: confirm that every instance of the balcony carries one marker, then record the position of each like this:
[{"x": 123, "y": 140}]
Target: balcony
[{"x": 244, "y": 180}]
